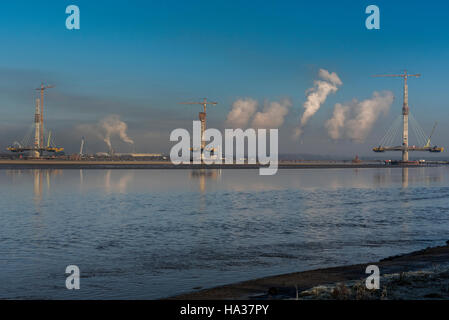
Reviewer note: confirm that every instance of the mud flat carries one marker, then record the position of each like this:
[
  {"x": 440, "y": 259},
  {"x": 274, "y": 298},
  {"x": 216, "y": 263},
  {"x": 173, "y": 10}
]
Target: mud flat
[
  {"x": 69, "y": 164},
  {"x": 421, "y": 274}
]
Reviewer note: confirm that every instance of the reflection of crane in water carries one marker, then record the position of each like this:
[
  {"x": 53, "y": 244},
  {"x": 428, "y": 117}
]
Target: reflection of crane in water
[
  {"x": 205, "y": 174},
  {"x": 419, "y": 132},
  {"x": 36, "y": 145}
]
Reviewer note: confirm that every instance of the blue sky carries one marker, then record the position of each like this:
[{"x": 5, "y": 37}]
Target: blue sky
[{"x": 139, "y": 59}]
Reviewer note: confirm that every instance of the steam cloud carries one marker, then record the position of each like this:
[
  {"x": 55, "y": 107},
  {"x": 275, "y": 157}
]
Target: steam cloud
[
  {"x": 273, "y": 115},
  {"x": 356, "y": 119},
  {"x": 112, "y": 125},
  {"x": 244, "y": 110},
  {"x": 316, "y": 96},
  {"x": 337, "y": 122}
]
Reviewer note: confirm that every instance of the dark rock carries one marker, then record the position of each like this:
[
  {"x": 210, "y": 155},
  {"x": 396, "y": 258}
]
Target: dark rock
[
  {"x": 433, "y": 296},
  {"x": 272, "y": 291}
]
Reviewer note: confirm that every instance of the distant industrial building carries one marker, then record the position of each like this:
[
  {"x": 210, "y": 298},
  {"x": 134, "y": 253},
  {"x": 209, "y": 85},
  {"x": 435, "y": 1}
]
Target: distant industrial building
[{"x": 131, "y": 156}]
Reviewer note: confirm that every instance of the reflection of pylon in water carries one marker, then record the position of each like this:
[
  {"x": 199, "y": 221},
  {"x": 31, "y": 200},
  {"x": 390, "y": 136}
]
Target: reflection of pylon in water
[
  {"x": 205, "y": 174},
  {"x": 38, "y": 181},
  {"x": 405, "y": 148}
]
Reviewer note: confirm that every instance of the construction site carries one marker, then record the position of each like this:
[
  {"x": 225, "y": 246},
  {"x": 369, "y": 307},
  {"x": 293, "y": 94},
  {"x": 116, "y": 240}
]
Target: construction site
[
  {"x": 405, "y": 148},
  {"x": 38, "y": 147},
  {"x": 41, "y": 144}
]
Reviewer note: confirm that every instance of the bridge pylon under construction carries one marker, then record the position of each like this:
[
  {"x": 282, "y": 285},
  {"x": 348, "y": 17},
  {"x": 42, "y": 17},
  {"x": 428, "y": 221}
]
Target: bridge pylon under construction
[
  {"x": 405, "y": 148},
  {"x": 36, "y": 146}
]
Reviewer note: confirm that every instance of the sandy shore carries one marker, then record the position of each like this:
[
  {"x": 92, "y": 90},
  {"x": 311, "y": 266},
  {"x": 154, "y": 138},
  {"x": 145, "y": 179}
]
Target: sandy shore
[{"x": 421, "y": 274}]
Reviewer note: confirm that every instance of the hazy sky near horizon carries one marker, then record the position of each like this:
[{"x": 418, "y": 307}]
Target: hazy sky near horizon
[{"x": 139, "y": 59}]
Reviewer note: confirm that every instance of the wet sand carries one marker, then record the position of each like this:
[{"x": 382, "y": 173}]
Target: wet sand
[{"x": 297, "y": 285}]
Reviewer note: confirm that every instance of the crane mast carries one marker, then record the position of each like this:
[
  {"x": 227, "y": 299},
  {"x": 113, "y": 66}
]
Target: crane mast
[{"x": 202, "y": 117}]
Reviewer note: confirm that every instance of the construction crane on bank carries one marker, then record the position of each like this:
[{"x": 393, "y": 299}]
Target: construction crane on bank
[
  {"x": 202, "y": 117},
  {"x": 405, "y": 148},
  {"x": 431, "y": 134}
]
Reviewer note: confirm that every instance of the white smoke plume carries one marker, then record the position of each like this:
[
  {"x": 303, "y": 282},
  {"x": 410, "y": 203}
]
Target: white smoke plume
[
  {"x": 241, "y": 112},
  {"x": 337, "y": 122},
  {"x": 244, "y": 111},
  {"x": 273, "y": 115},
  {"x": 356, "y": 119},
  {"x": 316, "y": 96},
  {"x": 112, "y": 125}
]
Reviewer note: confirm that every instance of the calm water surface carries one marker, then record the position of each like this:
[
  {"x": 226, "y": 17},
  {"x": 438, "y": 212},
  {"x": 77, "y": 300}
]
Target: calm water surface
[{"x": 144, "y": 234}]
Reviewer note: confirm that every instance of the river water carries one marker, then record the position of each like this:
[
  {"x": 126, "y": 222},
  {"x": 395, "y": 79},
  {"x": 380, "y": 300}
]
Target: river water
[{"x": 146, "y": 234}]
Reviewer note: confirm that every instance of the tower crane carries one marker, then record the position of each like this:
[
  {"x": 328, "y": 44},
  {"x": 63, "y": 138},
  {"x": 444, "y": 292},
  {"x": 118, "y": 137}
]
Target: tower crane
[
  {"x": 202, "y": 117},
  {"x": 430, "y": 137}
]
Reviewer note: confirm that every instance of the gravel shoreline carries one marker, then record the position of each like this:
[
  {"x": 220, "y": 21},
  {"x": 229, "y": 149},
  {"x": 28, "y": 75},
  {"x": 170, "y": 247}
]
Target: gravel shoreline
[{"x": 422, "y": 274}]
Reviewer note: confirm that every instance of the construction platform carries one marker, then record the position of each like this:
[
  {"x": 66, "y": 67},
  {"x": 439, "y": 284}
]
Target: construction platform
[{"x": 410, "y": 148}]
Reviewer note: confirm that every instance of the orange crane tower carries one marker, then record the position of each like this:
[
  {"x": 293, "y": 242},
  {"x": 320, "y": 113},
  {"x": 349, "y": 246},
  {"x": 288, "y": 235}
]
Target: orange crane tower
[{"x": 202, "y": 117}]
